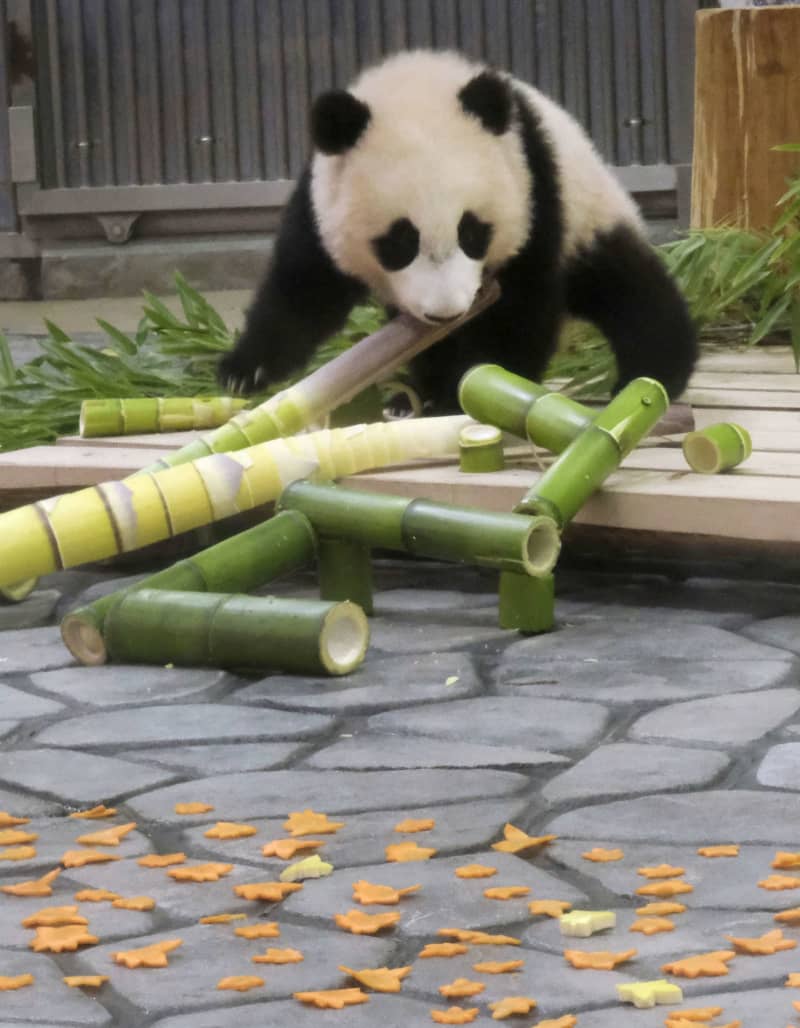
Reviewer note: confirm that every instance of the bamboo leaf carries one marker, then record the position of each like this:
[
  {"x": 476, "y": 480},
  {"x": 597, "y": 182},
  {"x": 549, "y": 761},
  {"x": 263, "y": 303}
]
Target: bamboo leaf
[
  {"x": 8, "y": 373},
  {"x": 125, "y": 342},
  {"x": 794, "y": 330},
  {"x": 788, "y": 147},
  {"x": 57, "y": 333},
  {"x": 771, "y": 318}
]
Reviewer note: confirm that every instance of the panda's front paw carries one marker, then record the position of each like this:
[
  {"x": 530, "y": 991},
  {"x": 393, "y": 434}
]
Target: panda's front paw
[{"x": 239, "y": 374}]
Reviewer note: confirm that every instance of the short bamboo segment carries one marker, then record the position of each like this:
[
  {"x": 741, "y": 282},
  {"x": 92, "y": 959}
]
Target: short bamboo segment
[
  {"x": 345, "y": 571},
  {"x": 16, "y": 592},
  {"x": 480, "y": 449},
  {"x": 163, "y": 626},
  {"x": 117, "y": 517},
  {"x": 512, "y": 542},
  {"x": 368, "y": 361},
  {"x": 717, "y": 448},
  {"x": 526, "y": 604},
  {"x": 140, "y": 415},
  {"x": 596, "y": 452},
  {"x": 237, "y": 565}
]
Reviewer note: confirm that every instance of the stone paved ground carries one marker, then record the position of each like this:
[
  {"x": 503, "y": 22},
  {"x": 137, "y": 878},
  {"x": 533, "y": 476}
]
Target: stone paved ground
[{"x": 657, "y": 718}]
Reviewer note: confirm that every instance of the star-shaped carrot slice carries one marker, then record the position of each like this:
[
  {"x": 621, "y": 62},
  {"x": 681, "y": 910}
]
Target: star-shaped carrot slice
[
  {"x": 240, "y": 982},
  {"x": 210, "y": 872},
  {"x": 35, "y": 887},
  {"x": 9, "y": 821},
  {"x": 379, "y": 979},
  {"x": 94, "y": 813},
  {"x": 506, "y": 892},
  {"x": 517, "y": 841},
  {"x": 54, "y": 917},
  {"x": 776, "y": 883},
  {"x": 475, "y": 871},
  {"x": 704, "y": 965},
  {"x": 332, "y": 999},
  {"x": 230, "y": 830},
  {"x": 719, "y": 851},
  {"x": 695, "y": 1014},
  {"x": 443, "y": 949},
  {"x": 264, "y": 930},
  {"x": 267, "y": 892},
  {"x": 8, "y": 983},
  {"x": 599, "y": 855},
  {"x": 511, "y": 1006},
  {"x": 154, "y": 955},
  {"x": 549, "y": 908},
  {"x": 18, "y": 853},
  {"x": 786, "y": 861},
  {"x": 86, "y": 981},
  {"x": 475, "y": 938},
  {"x": 63, "y": 939},
  {"x": 793, "y": 981},
  {"x": 663, "y": 909},
  {"x": 14, "y": 836},
  {"x": 406, "y": 852},
  {"x": 763, "y": 945},
  {"x": 461, "y": 988},
  {"x": 78, "y": 858},
  {"x": 309, "y": 822},
  {"x": 498, "y": 966},
  {"x": 279, "y": 956},
  {"x": 285, "y": 849},
  {"x": 193, "y": 808},
  {"x": 410, "y": 825},
  {"x": 95, "y": 895},
  {"x": 789, "y": 916},
  {"x": 161, "y": 859},
  {"x": 665, "y": 889},
  {"x": 108, "y": 836},
  {"x": 567, "y": 1021},
  {"x": 366, "y": 892},
  {"x": 652, "y": 925},
  {"x": 661, "y": 871},
  {"x": 359, "y": 923},
  {"x": 141, "y": 903},
  {"x": 221, "y": 918},
  {"x": 454, "y": 1015},
  {"x": 600, "y": 960}
]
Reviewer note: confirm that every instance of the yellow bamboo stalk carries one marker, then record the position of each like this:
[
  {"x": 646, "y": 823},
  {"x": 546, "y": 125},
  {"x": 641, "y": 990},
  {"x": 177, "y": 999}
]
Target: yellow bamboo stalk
[
  {"x": 157, "y": 414},
  {"x": 116, "y": 517}
]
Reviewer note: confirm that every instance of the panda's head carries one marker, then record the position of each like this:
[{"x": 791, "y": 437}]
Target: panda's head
[{"x": 419, "y": 180}]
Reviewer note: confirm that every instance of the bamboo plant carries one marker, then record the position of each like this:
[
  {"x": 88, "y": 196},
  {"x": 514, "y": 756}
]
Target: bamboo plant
[{"x": 103, "y": 417}]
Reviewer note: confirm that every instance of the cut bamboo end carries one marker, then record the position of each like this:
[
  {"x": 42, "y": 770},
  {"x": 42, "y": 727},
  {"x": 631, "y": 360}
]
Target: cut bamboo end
[
  {"x": 480, "y": 449},
  {"x": 542, "y": 546},
  {"x": 84, "y": 638},
  {"x": 18, "y": 591},
  {"x": 717, "y": 448},
  {"x": 344, "y": 638}
]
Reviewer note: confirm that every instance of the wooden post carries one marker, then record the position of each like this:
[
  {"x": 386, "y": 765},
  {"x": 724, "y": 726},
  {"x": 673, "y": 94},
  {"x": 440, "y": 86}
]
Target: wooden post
[{"x": 747, "y": 100}]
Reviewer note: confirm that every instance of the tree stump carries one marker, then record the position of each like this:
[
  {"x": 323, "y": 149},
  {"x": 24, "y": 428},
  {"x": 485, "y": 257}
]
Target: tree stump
[{"x": 747, "y": 100}]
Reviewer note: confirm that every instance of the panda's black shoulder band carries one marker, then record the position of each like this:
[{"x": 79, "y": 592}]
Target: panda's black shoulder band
[
  {"x": 337, "y": 121},
  {"x": 488, "y": 98}
]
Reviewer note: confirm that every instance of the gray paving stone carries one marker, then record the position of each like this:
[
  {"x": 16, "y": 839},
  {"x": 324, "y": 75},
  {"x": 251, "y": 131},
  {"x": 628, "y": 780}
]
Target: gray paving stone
[
  {"x": 275, "y": 793},
  {"x": 33, "y": 612},
  {"x": 628, "y": 682},
  {"x": 211, "y": 952},
  {"x": 218, "y": 759},
  {"x": 722, "y": 721},
  {"x": 780, "y": 768},
  {"x": 460, "y": 827},
  {"x": 15, "y": 703},
  {"x": 628, "y": 768},
  {"x": 115, "y": 684},
  {"x": 497, "y": 720},
  {"x": 8, "y": 727},
  {"x": 702, "y": 818},
  {"x": 374, "y": 751},
  {"x": 755, "y": 1008},
  {"x": 48, "y": 998},
  {"x": 56, "y": 835},
  {"x": 387, "y": 1011},
  {"x": 378, "y": 685},
  {"x": 430, "y": 602},
  {"x": 444, "y": 900},
  {"x": 390, "y": 635},
  {"x": 33, "y": 649},
  {"x": 183, "y": 723},
  {"x": 76, "y": 777},
  {"x": 27, "y": 806},
  {"x": 780, "y": 631}
]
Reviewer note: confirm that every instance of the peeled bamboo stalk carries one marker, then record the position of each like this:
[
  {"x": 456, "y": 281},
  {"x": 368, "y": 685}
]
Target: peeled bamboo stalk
[
  {"x": 528, "y": 545},
  {"x": 164, "y": 626},
  {"x": 16, "y": 592},
  {"x": 717, "y": 448},
  {"x": 293, "y": 409},
  {"x": 159, "y": 414},
  {"x": 116, "y": 517},
  {"x": 480, "y": 448},
  {"x": 240, "y": 564},
  {"x": 596, "y": 452},
  {"x": 526, "y": 604}
]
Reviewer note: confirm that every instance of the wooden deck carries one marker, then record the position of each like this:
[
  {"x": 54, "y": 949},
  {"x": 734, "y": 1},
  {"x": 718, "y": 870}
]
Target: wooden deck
[{"x": 653, "y": 500}]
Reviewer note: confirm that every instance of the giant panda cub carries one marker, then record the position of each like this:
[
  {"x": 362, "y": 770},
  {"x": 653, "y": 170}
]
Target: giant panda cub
[{"x": 430, "y": 173}]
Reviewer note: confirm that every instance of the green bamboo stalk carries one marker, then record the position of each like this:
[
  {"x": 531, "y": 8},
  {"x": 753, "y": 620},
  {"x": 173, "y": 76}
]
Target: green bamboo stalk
[
  {"x": 526, "y": 604},
  {"x": 463, "y": 534},
  {"x": 596, "y": 452},
  {"x": 717, "y": 448},
  {"x": 480, "y": 448},
  {"x": 18, "y": 591},
  {"x": 158, "y": 414},
  {"x": 345, "y": 571},
  {"x": 155, "y": 626},
  {"x": 240, "y": 564}
]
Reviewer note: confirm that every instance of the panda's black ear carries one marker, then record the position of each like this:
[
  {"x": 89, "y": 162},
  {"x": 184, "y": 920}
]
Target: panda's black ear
[
  {"x": 488, "y": 97},
  {"x": 337, "y": 121}
]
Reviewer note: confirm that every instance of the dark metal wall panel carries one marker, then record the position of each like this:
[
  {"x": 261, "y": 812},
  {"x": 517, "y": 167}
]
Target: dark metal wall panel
[{"x": 7, "y": 208}]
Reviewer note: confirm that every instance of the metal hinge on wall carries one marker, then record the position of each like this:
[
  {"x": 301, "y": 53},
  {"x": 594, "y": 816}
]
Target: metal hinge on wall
[{"x": 22, "y": 141}]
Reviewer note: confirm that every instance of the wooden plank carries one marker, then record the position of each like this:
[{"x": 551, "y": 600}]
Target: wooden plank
[
  {"x": 58, "y": 467},
  {"x": 766, "y": 359},
  {"x": 753, "y": 420},
  {"x": 751, "y": 399},
  {"x": 669, "y": 459},
  {"x": 154, "y": 441},
  {"x": 759, "y": 380}
]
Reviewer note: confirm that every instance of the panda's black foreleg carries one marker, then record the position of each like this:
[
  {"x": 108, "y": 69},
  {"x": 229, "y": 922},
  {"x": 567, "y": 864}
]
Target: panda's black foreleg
[
  {"x": 303, "y": 300},
  {"x": 620, "y": 284}
]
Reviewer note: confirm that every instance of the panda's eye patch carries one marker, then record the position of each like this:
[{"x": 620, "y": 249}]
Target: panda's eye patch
[
  {"x": 474, "y": 236},
  {"x": 397, "y": 247}
]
